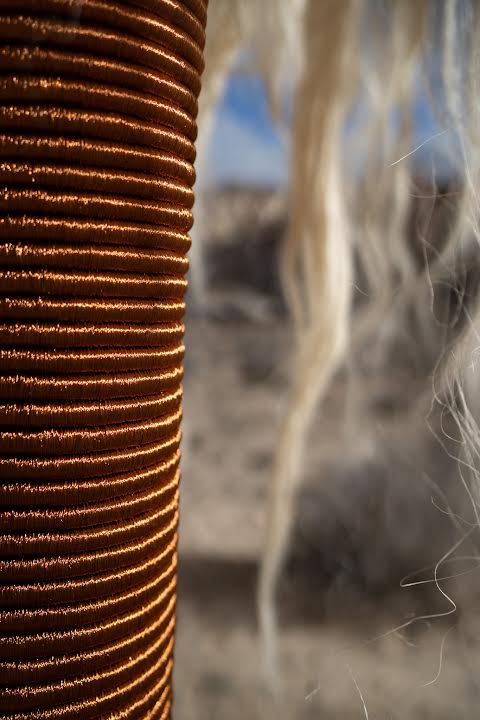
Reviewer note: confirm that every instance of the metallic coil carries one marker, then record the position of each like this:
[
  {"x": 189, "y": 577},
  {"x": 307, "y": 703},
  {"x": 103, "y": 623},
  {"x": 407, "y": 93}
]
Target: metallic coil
[{"x": 98, "y": 100}]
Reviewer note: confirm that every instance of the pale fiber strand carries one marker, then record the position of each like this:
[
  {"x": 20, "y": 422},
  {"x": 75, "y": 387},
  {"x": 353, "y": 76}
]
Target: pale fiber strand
[
  {"x": 344, "y": 60},
  {"x": 317, "y": 271}
]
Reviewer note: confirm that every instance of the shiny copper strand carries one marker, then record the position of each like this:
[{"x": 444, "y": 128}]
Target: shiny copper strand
[{"x": 97, "y": 127}]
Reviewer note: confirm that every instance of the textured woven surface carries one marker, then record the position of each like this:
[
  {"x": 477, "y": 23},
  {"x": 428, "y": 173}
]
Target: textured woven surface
[{"x": 97, "y": 125}]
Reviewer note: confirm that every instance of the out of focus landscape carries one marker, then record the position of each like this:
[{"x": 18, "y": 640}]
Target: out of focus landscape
[{"x": 377, "y": 620}]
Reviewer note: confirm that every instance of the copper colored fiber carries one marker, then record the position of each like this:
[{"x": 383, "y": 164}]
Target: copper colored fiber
[{"x": 98, "y": 100}]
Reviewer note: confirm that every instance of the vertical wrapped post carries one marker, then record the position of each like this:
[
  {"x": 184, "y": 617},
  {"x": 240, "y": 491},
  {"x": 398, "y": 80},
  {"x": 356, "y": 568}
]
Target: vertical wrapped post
[{"x": 98, "y": 100}]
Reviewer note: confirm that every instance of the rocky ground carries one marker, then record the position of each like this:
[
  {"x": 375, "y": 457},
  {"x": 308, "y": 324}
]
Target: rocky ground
[{"x": 371, "y": 510}]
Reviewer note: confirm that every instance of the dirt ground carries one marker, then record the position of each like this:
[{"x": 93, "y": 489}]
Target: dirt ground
[{"x": 360, "y": 527}]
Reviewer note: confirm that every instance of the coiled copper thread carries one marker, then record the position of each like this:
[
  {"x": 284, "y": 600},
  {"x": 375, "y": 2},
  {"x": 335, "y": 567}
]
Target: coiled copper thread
[{"x": 98, "y": 100}]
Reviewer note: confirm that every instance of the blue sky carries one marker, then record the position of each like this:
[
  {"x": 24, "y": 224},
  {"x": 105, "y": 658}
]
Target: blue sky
[
  {"x": 247, "y": 150},
  {"x": 245, "y": 147}
]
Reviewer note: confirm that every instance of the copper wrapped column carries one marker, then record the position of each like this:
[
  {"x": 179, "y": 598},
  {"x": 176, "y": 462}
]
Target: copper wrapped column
[{"x": 98, "y": 100}]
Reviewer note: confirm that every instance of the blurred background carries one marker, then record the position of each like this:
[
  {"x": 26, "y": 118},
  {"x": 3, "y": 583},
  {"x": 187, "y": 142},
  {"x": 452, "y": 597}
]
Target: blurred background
[{"x": 373, "y": 511}]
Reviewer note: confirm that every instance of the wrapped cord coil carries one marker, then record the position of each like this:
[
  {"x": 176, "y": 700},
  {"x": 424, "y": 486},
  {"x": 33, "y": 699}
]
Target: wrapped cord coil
[{"x": 98, "y": 100}]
